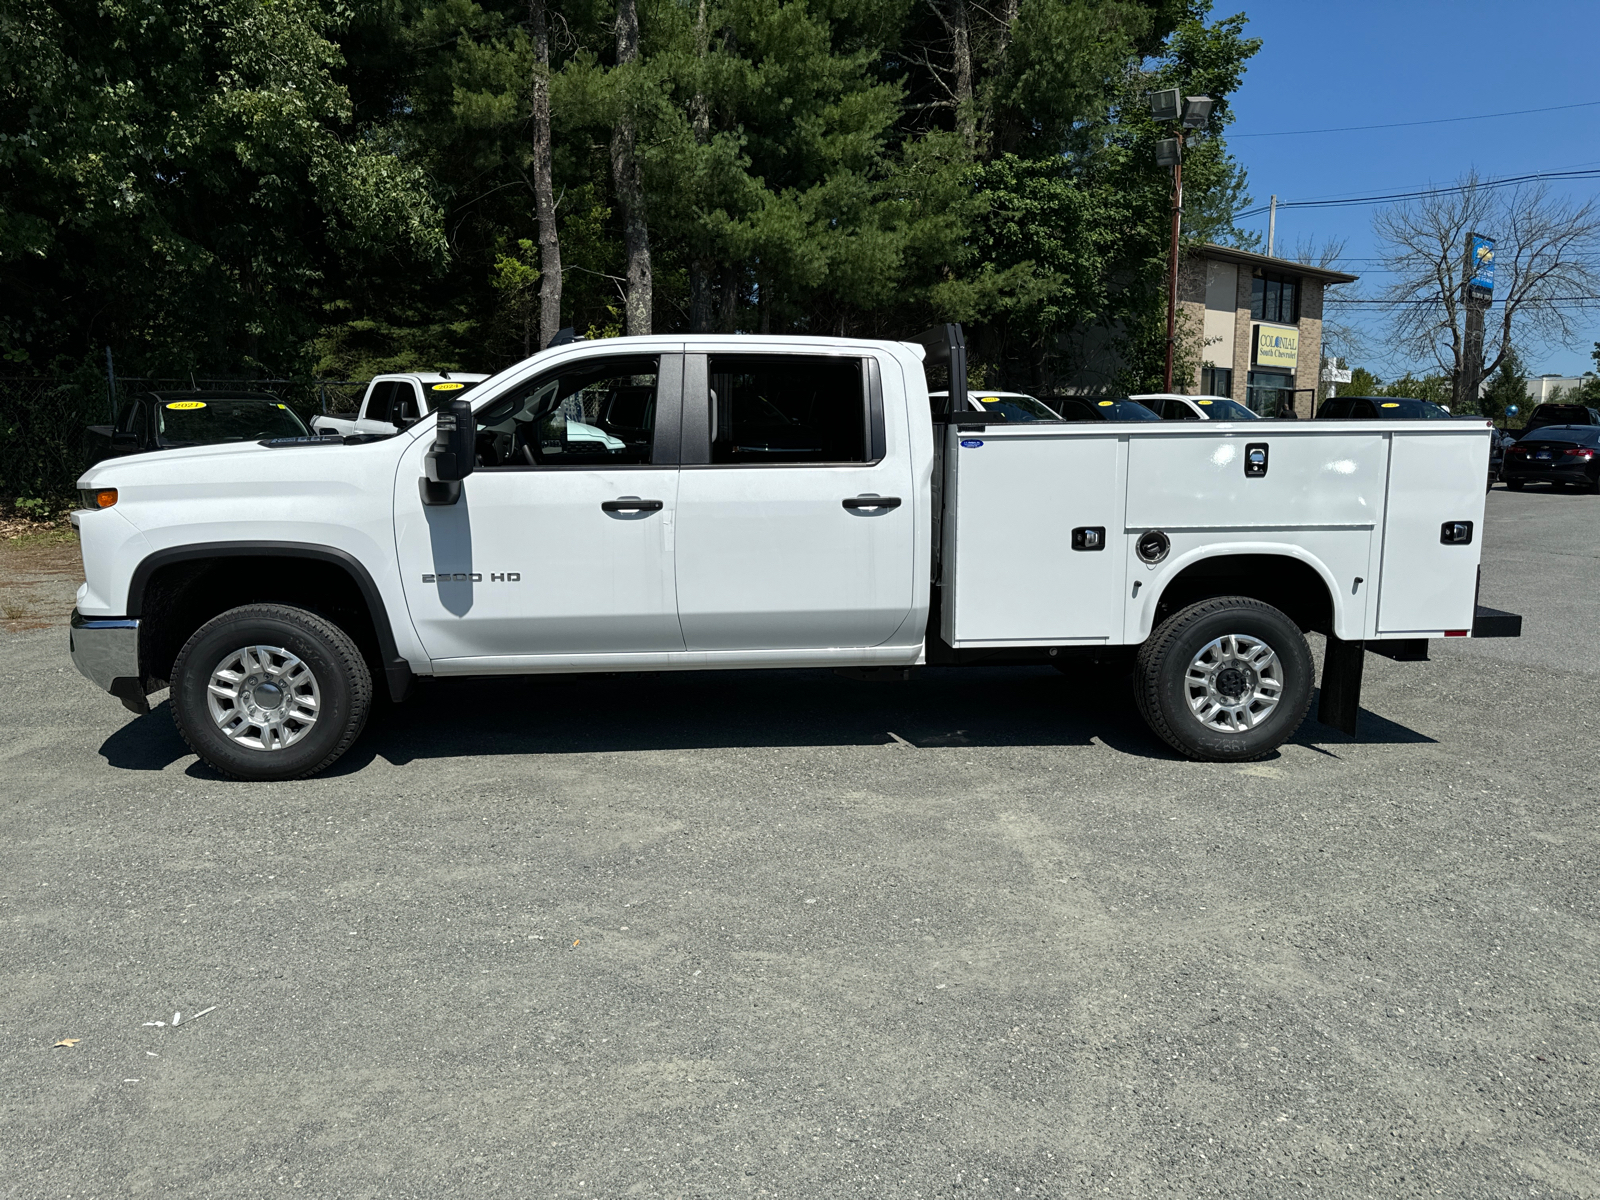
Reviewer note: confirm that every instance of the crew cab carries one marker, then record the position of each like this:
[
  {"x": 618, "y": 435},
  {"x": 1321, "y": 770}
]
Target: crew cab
[
  {"x": 393, "y": 402},
  {"x": 166, "y": 420},
  {"x": 759, "y": 502}
]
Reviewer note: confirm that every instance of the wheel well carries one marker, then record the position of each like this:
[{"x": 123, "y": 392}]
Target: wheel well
[
  {"x": 1289, "y": 585},
  {"x": 179, "y": 597}
]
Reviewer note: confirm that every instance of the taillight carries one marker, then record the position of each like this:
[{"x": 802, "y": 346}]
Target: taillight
[
  {"x": 1582, "y": 453},
  {"x": 1517, "y": 450}
]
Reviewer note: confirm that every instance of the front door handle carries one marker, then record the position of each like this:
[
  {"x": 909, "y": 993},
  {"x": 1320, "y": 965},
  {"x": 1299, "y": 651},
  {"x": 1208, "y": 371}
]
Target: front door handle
[
  {"x": 631, "y": 504},
  {"x": 872, "y": 502}
]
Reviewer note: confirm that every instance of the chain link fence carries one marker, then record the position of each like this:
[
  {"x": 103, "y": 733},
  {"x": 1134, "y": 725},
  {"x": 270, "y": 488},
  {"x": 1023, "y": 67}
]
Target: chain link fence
[{"x": 43, "y": 419}]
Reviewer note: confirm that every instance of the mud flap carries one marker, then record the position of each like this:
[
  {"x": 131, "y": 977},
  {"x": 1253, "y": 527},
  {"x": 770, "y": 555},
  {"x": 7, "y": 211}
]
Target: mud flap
[{"x": 1340, "y": 704}]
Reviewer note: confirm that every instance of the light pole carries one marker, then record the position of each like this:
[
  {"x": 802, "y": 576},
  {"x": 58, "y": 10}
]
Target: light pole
[{"x": 1192, "y": 112}]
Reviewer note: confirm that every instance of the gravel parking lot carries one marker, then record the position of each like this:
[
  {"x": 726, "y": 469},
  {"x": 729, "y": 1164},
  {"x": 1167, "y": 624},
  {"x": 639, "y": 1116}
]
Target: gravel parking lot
[{"x": 767, "y": 934}]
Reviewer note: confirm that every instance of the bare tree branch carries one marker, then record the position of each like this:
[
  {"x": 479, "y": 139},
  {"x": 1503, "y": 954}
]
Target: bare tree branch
[{"x": 1545, "y": 250}]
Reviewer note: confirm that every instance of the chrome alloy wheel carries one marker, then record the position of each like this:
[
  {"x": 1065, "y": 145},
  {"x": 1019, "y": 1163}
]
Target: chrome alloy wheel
[
  {"x": 1234, "y": 683},
  {"x": 263, "y": 697}
]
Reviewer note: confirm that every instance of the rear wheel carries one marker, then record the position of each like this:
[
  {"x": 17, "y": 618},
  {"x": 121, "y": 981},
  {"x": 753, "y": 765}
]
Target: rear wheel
[
  {"x": 270, "y": 692},
  {"x": 1225, "y": 680}
]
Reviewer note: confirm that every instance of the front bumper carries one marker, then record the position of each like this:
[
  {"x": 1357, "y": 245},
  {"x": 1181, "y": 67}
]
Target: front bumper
[{"x": 106, "y": 652}]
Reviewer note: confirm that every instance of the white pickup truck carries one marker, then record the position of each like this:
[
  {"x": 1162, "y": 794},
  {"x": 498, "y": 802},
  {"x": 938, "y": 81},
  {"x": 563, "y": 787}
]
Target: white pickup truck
[
  {"x": 395, "y": 402},
  {"x": 771, "y": 502}
]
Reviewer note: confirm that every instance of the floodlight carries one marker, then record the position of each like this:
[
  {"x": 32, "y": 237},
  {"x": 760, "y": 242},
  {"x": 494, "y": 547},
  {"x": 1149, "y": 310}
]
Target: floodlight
[
  {"x": 1165, "y": 105},
  {"x": 1197, "y": 111},
  {"x": 1169, "y": 152}
]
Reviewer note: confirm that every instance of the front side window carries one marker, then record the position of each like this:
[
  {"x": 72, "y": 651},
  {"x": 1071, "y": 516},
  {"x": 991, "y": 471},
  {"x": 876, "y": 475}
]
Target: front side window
[
  {"x": 593, "y": 412},
  {"x": 1177, "y": 410},
  {"x": 787, "y": 409}
]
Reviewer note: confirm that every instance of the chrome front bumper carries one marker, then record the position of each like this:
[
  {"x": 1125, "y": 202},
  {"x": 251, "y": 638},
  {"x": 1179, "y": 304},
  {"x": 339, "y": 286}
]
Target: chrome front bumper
[{"x": 106, "y": 652}]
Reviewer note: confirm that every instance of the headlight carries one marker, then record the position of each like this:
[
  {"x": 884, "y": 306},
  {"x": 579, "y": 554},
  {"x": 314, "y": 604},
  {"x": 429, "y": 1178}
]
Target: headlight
[{"x": 96, "y": 497}]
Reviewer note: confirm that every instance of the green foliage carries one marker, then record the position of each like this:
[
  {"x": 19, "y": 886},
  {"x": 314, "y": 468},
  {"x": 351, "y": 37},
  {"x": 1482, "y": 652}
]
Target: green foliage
[
  {"x": 1507, "y": 386},
  {"x": 295, "y": 186},
  {"x": 1362, "y": 383}
]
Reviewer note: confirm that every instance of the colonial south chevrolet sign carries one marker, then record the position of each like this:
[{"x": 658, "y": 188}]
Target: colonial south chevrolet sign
[{"x": 1277, "y": 346}]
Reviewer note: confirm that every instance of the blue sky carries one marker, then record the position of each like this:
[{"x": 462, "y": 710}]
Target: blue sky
[{"x": 1356, "y": 62}]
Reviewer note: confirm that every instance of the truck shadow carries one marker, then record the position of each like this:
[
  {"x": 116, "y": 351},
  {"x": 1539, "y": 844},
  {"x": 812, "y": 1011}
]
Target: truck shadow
[{"x": 595, "y": 714}]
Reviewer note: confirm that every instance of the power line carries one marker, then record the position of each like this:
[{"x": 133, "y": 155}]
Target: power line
[
  {"x": 1440, "y": 300},
  {"x": 1521, "y": 112},
  {"x": 1458, "y": 187}
]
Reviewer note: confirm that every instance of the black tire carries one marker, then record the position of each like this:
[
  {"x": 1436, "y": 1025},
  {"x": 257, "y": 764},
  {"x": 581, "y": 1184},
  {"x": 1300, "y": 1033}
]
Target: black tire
[
  {"x": 1163, "y": 661},
  {"x": 342, "y": 682},
  {"x": 1516, "y": 485}
]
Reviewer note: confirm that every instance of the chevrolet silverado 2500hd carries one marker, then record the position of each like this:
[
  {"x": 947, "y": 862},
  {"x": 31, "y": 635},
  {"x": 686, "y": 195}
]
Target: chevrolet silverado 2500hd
[{"x": 701, "y": 502}]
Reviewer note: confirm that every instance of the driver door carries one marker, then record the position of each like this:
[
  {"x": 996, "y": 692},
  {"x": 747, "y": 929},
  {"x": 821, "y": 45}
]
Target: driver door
[{"x": 562, "y": 541}]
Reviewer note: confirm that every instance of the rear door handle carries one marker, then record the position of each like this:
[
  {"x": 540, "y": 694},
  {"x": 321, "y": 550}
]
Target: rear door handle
[
  {"x": 872, "y": 502},
  {"x": 631, "y": 504}
]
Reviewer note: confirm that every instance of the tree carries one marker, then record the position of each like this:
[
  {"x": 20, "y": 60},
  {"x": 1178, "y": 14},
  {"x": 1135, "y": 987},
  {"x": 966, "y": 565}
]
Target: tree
[
  {"x": 1547, "y": 251},
  {"x": 1506, "y": 387},
  {"x": 179, "y": 179}
]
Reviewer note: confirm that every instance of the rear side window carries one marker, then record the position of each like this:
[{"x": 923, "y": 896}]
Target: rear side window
[
  {"x": 1177, "y": 410},
  {"x": 380, "y": 404},
  {"x": 796, "y": 408},
  {"x": 1334, "y": 409},
  {"x": 1072, "y": 408}
]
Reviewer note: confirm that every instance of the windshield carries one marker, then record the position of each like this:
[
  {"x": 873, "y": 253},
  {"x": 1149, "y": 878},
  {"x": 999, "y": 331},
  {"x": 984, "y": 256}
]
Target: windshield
[
  {"x": 1226, "y": 410},
  {"x": 443, "y": 392},
  {"x": 1017, "y": 408},
  {"x": 1124, "y": 410},
  {"x": 214, "y": 419},
  {"x": 1411, "y": 409}
]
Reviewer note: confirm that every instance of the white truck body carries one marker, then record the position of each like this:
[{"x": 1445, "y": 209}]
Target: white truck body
[
  {"x": 395, "y": 402},
  {"x": 789, "y": 564}
]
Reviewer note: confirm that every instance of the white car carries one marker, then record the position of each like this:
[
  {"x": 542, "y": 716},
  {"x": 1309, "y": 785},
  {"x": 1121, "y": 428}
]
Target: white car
[
  {"x": 1170, "y": 406},
  {"x": 393, "y": 402}
]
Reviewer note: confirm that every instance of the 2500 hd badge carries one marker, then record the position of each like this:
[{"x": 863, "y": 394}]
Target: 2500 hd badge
[{"x": 474, "y": 577}]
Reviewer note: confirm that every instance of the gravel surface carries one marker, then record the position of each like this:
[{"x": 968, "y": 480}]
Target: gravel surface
[{"x": 787, "y": 934}]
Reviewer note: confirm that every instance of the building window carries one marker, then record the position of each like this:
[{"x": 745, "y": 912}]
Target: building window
[
  {"x": 1217, "y": 381},
  {"x": 1275, "y": 298},
  {"x": 1270, "y": 393}
]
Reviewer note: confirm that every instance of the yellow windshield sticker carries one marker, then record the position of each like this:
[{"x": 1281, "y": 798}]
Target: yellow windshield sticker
[
  {"x": 1105, "y": 404},
  {"x": 448, "y": 387},
  {"x": 1391, "y": 404},
  {"x": 186, "y": 405},
  {"x": 1205, "y": 402},
  {"x": 285, "y": 407},
  {"x": 989, "y": 399}
]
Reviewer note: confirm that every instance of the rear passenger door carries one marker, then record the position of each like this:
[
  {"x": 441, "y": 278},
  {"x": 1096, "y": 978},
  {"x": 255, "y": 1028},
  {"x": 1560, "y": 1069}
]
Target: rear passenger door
[{"x": 795, "y": 523}]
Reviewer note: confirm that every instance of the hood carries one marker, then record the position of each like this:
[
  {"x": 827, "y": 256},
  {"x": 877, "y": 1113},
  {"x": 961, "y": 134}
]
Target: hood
[{"x": 241, "y": 461}]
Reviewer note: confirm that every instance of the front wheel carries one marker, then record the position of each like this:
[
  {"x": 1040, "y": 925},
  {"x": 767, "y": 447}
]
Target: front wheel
[
  {"x": 1225, "y": 680},
  {"x": 269, "y": 692}
]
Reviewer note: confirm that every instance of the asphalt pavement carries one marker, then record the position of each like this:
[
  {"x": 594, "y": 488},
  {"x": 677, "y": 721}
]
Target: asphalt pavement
[{"x": 746, "y": 934}]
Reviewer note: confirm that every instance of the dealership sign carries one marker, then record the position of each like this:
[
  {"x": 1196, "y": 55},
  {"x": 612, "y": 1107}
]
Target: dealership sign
[
  {"x": 1480, "y": 267},
  {"x": 1277, "y": 346}
]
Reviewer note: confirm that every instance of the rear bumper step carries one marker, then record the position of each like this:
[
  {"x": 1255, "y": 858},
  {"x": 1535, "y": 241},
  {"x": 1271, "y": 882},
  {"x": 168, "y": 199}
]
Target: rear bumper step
[{"x": 1493, "y": 623}]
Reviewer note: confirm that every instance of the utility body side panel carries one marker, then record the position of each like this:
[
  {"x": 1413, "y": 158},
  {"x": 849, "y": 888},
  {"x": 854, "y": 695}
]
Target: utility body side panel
[{"x": 1436, "y": 476}]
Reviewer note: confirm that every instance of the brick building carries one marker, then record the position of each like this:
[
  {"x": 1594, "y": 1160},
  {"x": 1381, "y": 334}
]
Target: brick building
[{"x": 1261, "y": 323}]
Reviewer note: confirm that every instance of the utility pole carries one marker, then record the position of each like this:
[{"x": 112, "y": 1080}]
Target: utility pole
[
  {"x": 1172, "y": 265},
  {"x": 1477, "y": 291},
  {"x": 1272, "y": 225},
  {"x": 1191, "y": 112}
]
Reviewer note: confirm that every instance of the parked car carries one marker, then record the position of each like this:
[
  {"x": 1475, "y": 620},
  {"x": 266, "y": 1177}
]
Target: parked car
[
  {"x": 1005, "y": 406},
  {"x": 393, "y": 402},
  {"x": 1170, "y": 406},
  {"x": 167, "y": 420},
  {"x": 1560, "y": 414},
  {"x": 1404, "y": 408},
  {"x": 1092, "y": 408},
  {"x": 1388, "y": 408},
  {"x": 1560, "y": 455}
]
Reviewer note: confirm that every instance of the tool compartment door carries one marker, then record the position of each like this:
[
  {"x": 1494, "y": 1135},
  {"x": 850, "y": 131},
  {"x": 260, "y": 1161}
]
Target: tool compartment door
[
  {"x": 1435, "y": 476},
  {"x": 1011, "y": 575}
]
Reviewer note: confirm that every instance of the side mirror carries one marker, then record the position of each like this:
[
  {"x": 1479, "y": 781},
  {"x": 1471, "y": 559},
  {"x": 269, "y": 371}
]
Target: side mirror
[
  {"x": 453, "y": 455},
  {"x": 125, "y": 440}
]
